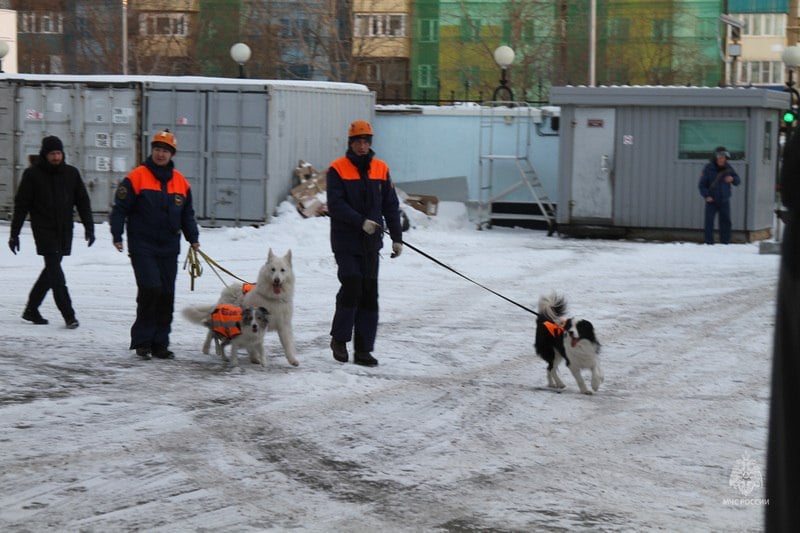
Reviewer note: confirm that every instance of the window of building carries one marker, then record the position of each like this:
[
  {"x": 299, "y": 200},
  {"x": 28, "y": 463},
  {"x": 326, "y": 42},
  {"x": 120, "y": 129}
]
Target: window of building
[
  {"x": 172, "y": 24},
  {"x": 470, "y": 30},
  {"x": 294, "y": 28},
  {"x": 429, "y": 31},
  {"x": 759, "y": 72},
  {"x": 763, "y": 24},
  {"x": 525, "y": 29},
  {"x": 383, "y": 25},
  {"x": 426, "y": 76},
  {"x": 618, "y": 29},
  {"x": 40, "y": 22},
  {"x": 470, "y": 77},
  {"x": 697, "y": 138},
  {"x": 662, "y": 30}
]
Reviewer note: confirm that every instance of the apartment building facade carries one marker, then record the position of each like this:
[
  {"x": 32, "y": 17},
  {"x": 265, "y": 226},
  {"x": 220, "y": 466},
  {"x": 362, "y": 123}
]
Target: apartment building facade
[{"x": 421, "y": 50}]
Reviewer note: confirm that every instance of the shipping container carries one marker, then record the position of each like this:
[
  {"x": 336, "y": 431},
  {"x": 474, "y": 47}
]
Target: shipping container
[
  {"x": 239, "y": 140},
  {"x": 630, "y": 158}
]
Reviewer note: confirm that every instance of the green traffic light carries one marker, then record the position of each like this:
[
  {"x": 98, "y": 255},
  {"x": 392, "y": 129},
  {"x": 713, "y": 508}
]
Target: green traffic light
[{"x": 789, "y": 116}]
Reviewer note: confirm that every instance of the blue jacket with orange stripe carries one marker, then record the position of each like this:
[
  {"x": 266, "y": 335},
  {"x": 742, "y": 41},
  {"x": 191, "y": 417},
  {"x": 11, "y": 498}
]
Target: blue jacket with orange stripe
[
  {"x": 156, "y": 204},
  {"x": 360, "y": 189}
]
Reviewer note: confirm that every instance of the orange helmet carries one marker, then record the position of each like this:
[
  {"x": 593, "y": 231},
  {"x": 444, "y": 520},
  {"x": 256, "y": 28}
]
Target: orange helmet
[
  {"x": 167, "y": 138},
  {"x": 359, "y": 128}
]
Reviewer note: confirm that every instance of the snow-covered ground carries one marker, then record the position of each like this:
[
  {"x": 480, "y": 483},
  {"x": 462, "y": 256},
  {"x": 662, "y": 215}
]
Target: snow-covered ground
[{"x": 454, "y": 431}]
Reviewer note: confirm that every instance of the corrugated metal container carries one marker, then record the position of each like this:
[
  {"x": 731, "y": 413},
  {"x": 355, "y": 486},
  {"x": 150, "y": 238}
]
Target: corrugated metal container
[
  {"x": 623, "y": 164},
  {"x": 238, "y": 140},
  {"x": 7, "y": 140},
  {"x": 98, "y": 124},
  {"x": 309, "y": 122}
]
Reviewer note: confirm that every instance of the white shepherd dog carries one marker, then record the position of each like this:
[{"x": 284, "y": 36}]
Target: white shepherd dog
[{"x": 274, "y": 291}]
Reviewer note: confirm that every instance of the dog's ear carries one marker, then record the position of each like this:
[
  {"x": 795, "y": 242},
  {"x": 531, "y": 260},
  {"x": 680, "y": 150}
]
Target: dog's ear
[
  {"x": 289, "y": 257},
  {"x": 263, "y": 310},
  {"x": 586, "y": 331},
  {"x": 270, "y": 255}
]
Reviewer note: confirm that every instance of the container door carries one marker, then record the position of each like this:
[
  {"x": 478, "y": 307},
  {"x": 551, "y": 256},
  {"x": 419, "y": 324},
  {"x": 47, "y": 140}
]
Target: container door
[
  {"x": 8, "y": 173},
  {"x": 184, "y": 113},
  {"x": 593, "y": 158},
  {"x": 42, "y": 111},
  {"x": 109, "y": 129},
  {"x": 237, "y": 147}
]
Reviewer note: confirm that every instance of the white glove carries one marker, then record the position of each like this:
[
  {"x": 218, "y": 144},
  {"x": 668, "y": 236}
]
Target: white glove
[
  {"x": 397, "y": 249},
  {"x": 370, "y": 226}
]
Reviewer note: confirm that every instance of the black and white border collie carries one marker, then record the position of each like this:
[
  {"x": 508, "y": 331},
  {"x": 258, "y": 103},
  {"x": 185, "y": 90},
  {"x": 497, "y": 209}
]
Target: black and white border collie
[{"x": 570, "y": 339}]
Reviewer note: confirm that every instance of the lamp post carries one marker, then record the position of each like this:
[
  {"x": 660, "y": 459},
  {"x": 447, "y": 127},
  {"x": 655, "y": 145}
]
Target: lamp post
[
  {"x": 240, "y": 53},
  {"x": 503, "y": 56},
  {"x": 125, "y": 37},
  {"x": 791, "y": 58},
  {"x": 3, "y": 53}
]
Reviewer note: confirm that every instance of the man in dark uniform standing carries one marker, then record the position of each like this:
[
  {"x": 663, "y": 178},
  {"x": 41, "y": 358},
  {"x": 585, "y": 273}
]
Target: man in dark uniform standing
[
  {"x": 361, "y": 196},
  {"x": 783, "y": 460},
  {"x": 155, "y": 201}
]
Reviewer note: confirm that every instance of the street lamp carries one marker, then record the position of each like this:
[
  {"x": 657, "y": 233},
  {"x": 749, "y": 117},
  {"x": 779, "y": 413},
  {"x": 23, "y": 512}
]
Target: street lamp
[
  {"x": 240, "y": 53},
  {"x": 3, "y": 53},
  {"x": 791, "y": 58},
  {"x": 503, "y": 56},
  {"x": 125, "y": 37}
]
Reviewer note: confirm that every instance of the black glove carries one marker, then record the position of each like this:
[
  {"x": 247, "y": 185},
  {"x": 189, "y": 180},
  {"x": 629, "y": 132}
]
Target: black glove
[
  {"x": 90, "y": 237},
  {"x": 13, "y": 243}
]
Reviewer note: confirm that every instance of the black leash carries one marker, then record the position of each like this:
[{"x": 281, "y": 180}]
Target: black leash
[{"x": 454, "y": 271}]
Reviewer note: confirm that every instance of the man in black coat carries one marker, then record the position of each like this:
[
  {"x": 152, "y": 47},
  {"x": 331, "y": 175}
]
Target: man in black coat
[
  {"x": 49, "y": 191},
  {"x": 783, "y": 459}
]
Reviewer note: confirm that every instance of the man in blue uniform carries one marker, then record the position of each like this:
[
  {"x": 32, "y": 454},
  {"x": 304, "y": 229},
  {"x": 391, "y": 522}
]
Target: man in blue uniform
[
  {"x": 155, "y": 201},
  {"x": 361, "y": 198}
]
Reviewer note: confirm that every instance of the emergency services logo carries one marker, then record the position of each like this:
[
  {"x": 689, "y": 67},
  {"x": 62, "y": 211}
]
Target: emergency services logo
[
  {"x": 178, "y": 200},
  {"x": 745, "y": 478},
  {"x": 122, "y": 192}
]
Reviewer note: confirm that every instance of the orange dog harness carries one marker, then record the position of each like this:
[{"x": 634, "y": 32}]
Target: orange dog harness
[
  {"x": 554, "y": 329},
  {"x": 226, "y": 320}
]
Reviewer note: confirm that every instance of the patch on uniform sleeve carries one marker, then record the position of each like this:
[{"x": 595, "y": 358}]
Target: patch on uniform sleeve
[
  {"x": 179, "y": 200},
  {"x": 122, "y": 192}
]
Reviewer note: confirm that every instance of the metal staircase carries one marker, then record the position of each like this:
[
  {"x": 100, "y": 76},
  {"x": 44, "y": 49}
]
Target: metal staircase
[{"x": 504, "y": 161}]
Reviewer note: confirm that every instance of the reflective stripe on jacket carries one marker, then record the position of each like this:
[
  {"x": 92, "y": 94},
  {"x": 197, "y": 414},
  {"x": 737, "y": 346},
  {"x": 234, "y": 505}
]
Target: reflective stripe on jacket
[
  {"x": 155, "y": 211},
  {"x": 353, "y": 198}
]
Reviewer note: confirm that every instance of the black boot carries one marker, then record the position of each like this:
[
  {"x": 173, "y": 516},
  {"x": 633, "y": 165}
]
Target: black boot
[
  {"x": 362, "y": 356},
  {"x": 364, "y": 359},
  {"x": 161, "y": 352},
  {"x": 33, "y": 315},
  {"x": 339, "y": 350},
  {"x": 145, "y": 352}
]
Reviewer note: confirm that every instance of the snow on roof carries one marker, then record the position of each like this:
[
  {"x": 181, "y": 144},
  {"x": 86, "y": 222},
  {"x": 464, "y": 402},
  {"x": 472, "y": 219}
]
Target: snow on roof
[{"x": 187, "y": 80}]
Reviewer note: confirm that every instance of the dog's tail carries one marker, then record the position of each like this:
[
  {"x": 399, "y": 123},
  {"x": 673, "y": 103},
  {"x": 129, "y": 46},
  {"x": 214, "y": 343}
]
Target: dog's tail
[
  {"x": 553, "y": 306},
  {"x": 198, "y": 314}
]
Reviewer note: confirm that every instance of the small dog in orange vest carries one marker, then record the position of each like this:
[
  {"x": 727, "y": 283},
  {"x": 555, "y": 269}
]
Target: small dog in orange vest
[
  {"x": 231, "y": 325},
  {"x": 571, "y": 340}
]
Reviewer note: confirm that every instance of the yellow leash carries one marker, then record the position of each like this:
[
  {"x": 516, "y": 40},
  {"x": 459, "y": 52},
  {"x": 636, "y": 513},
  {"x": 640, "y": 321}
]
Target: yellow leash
[{"x": 196, "y": 269}]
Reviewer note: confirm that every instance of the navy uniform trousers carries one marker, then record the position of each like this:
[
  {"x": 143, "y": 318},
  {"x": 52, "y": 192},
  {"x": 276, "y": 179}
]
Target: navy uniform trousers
[
  {"x": 357, "y": 300},
  {"x": 155, "y": 299}
]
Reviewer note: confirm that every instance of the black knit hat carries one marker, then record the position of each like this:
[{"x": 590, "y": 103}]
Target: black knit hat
[{"x": 51, "y": 144}]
